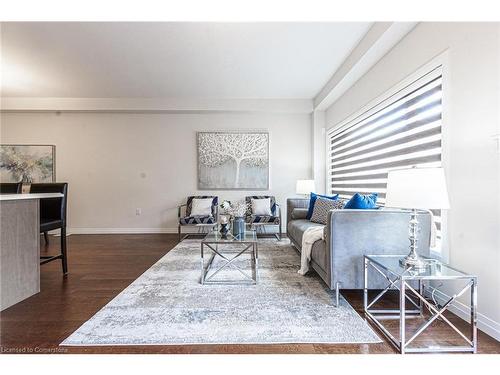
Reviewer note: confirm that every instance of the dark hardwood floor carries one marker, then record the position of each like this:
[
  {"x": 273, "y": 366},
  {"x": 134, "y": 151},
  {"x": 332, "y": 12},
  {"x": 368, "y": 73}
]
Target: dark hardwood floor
[{"x": 101, "y": 266}]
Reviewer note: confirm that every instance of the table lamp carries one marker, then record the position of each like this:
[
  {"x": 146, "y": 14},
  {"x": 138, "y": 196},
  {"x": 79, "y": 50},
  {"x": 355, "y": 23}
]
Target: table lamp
[
  {"x": 305, "y": 187},
  {"x": 416, "y": 188}
]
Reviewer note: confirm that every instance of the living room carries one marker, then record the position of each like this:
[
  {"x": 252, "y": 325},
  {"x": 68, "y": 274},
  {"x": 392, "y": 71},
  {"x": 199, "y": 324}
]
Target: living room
[{"x": 217, "y": 190}]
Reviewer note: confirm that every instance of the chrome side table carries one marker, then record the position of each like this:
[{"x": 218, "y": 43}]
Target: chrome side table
[
  {"x": 216, "y": 243},
  {"x": 412, "y": 285}
]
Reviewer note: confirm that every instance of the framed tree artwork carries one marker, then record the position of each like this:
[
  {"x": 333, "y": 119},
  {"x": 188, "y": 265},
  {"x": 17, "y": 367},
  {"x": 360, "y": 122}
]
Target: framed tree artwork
[
  {"x": 27, "y": 163},
  {"x": 233, "y": 160}
]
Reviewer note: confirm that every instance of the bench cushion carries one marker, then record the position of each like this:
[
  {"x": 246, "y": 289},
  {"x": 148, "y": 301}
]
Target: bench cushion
[
  {"x": 191, "y": 220},
  {"x": 252, "y": 219}
]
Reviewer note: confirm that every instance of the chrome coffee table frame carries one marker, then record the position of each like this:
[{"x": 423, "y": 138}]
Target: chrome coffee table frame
[
  {"x": 402, "y": 279},
  {"x": 213, "y": 241}
]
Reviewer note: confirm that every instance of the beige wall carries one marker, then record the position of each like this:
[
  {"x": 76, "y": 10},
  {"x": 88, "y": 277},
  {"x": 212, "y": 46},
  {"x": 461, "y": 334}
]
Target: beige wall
[
  {"x": 471, "y": 120},
  {"x": 115, "y": 163}
]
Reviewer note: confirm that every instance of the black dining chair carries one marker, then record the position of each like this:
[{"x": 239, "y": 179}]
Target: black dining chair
[
  {"x": 53, "y": 216},
  {"x": 11, "y": 187}
]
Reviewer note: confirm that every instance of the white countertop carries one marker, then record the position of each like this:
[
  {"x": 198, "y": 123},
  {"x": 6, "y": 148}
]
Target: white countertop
[{"x": 15, "y": 197}]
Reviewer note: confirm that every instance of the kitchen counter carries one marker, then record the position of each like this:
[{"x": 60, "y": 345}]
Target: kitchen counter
[
  {"x": 20, "y": 246},
  {"x": 16, "y": 197}
]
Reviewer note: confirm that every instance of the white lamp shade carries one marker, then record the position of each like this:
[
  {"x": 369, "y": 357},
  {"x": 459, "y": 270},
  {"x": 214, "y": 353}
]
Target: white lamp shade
[
  {"x": 305, "y": 186},
  {"x": 419, "y": 188}
]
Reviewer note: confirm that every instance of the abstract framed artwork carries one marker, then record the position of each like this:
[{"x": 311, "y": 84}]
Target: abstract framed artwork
[
  {"x": 28, "y": 163},
  {"x": 233, "y": 160}
]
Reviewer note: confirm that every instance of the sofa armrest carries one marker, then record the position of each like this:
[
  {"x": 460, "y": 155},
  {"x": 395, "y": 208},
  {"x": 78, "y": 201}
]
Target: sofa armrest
[
  {"x": 180, "y": 210},
  {"x": 299, "y": 213},
  {"x": 292, "y": 203},
  {"x": 350, "y": 234}
]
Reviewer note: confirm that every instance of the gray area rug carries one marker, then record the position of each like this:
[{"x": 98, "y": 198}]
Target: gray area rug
[{"x": 167, "y": 305}]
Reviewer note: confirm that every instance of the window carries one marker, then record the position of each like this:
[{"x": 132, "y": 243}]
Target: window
[{"x": 400, "y": 132}]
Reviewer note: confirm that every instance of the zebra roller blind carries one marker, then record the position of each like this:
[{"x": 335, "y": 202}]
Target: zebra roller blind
[{"x": 402, "y": 131}]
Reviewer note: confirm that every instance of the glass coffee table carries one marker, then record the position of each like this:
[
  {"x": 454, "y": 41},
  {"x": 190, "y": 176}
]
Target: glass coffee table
[
  {"x": 229, "y": 249},
  {"x": 418, "y": 289}
]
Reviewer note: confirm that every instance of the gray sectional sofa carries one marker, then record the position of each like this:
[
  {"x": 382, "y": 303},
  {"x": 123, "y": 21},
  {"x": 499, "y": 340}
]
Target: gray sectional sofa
[{"x": 350, "y": 234}]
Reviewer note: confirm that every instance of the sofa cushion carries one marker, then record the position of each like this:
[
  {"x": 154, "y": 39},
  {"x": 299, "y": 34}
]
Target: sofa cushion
[
  {"x": 296, "y": 229},
  {"x": 312, "y": 201},
  {"x": 299, "y": 213}
]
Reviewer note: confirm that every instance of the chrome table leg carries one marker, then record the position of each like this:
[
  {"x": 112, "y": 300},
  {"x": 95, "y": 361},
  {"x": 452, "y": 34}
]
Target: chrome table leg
[
  {"x": 402, "y": 308},
  {"x": 337, "y": 294},
  {"x": 473, "y": 314},
  {"x": 256, "y": 263},
  {"x": 202, "y": 267},
  {"x": 365, "y": 286}
]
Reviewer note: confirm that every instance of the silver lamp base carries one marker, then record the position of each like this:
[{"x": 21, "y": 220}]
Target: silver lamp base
[{"x": 413, "y": 262}]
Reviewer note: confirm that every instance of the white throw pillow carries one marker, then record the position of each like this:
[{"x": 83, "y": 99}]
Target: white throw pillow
[
  {"x": 201, "y": 207},
  {"x": 261, "y": 207}
]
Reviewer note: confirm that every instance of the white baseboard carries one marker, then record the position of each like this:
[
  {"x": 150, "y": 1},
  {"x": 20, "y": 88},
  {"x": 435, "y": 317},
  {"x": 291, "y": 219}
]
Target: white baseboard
[
  {"x": 485, "y": 324},
  {"x": 120, "y": 230},
  {"x": 133, "y": 230}
]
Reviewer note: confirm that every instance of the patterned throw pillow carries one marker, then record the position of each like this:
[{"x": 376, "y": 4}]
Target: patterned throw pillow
[
  {"x": 312, "y": 200},
  {"x": 321, "y": 208}
]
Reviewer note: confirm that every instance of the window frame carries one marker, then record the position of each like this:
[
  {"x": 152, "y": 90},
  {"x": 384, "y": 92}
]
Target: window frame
[{"x": 437, "y": 66}]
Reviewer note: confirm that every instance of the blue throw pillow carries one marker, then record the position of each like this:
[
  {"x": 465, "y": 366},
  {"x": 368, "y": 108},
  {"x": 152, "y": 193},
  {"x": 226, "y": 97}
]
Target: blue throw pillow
[
  {"x": 312, "y": 200},
  {"x": 362, "y": 202}
]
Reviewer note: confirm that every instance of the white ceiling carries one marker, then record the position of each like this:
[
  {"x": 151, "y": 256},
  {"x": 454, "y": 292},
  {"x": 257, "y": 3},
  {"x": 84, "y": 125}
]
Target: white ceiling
[{"x": 216, "y": 60}]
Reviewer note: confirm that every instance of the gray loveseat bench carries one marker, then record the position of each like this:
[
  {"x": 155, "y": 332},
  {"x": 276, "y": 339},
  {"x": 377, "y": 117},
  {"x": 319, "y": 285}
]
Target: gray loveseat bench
[{"x": 350, "y": 234}]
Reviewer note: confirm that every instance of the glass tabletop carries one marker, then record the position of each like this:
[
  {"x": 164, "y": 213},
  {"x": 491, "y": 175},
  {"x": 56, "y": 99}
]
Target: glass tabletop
[
  {"x": 434, "y": 270},
  {"x": 216, "y": 236}
]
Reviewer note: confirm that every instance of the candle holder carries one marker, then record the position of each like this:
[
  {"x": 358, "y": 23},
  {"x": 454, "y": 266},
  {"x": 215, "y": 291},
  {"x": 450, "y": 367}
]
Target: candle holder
[{"x": 224, "y": 228}]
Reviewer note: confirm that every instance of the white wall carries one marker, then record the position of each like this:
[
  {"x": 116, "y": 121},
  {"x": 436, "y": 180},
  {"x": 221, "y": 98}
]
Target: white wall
[
  {"x": 319, "y": 151},
  {"x": 117, "y": 162},
  {"x": 472, "y": 161}
]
